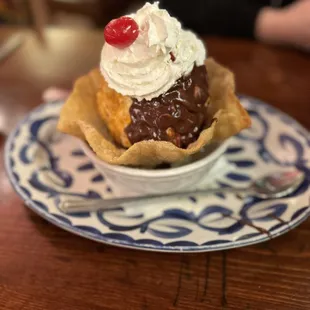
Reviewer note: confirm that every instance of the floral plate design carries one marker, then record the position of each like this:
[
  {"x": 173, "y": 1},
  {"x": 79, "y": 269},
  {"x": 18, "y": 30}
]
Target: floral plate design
[{"x": 45, "y": 167}]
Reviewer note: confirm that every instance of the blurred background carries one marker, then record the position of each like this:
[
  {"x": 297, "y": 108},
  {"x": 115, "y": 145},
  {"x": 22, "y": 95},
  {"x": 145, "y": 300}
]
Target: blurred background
[
  {"x": 70, "y": 13},
  {"x": 284, "y": 22}
]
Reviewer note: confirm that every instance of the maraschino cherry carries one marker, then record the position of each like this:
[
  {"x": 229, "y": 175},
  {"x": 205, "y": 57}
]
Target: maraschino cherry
[{"x": 121, "y": 32}]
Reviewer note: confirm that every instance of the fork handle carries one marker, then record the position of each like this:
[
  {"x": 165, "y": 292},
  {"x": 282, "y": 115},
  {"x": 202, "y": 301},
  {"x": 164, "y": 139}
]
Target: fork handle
[{"x": 76, "y": 206}]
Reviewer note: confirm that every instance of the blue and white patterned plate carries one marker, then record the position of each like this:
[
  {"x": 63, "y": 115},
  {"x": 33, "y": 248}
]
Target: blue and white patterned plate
[{"x": 45, "y": 167}]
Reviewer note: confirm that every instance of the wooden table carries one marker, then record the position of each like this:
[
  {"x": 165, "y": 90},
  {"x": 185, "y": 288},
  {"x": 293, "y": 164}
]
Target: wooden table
[{"x": 44, "y": 267}]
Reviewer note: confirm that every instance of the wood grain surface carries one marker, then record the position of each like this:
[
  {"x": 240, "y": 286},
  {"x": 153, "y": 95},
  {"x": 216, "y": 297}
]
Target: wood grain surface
[{"x": 44, "y": 267}]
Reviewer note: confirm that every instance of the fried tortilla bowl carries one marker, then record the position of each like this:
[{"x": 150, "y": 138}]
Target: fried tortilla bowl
[{"x": 96, "y": 113}]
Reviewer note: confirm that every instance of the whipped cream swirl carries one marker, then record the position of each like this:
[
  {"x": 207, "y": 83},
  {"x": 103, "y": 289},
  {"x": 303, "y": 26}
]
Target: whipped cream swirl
[{"x": 162, "y": 53}]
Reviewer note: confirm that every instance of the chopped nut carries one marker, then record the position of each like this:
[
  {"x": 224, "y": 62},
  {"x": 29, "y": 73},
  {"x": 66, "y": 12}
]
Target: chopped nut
[
  {"x": 197, "y": 92},
  {"x": 170, "y": 132}
]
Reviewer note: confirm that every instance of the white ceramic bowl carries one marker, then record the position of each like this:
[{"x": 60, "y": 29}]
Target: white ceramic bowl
[{"x": 147, "y": 181}]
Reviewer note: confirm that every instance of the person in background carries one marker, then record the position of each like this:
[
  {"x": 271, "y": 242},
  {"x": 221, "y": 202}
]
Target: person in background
[{"x": 276, "y": 22}]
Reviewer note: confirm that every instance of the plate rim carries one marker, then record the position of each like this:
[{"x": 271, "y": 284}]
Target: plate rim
[{"x": 134, "y": 245}]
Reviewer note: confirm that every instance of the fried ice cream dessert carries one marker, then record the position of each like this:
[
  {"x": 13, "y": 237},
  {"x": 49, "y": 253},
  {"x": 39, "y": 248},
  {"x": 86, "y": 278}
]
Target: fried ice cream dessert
[{"x": 156, "y": 97}]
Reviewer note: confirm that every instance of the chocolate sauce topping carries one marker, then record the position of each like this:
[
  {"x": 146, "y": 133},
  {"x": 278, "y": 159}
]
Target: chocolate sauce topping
[{"x": 177, "y": 116}]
